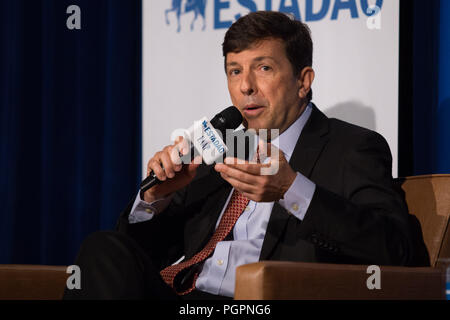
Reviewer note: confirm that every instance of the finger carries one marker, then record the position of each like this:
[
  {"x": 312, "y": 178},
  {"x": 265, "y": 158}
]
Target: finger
[
  {"x": 174, "y": 154},
  {"x": 155, "y": 165},
  {"x": 177, "y": 148},
  {"x": 249, "y": 196},
  {"x": 239, "y": 185},
  {"x": 184, "y": 146},
  {"x": 167, "y": 163},
  {"x": 262, "y": 150},
  {"x": 180, "y": 143},
  {"x": 180, "y": 149},
  {"x": 197, "y": 160},
  {"x": 192, "y": 167},
  {"x": 236, "y": 173},
  {"x": 247, "y": 167},
  {"x": 178, "y": 139}
]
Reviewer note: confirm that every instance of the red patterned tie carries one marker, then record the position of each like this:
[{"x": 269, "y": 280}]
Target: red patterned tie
[{"x": 237, "y": 204}]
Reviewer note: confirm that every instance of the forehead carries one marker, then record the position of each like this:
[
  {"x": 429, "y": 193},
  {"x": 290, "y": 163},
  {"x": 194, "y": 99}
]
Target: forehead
[{"x": 268, "y": 48}]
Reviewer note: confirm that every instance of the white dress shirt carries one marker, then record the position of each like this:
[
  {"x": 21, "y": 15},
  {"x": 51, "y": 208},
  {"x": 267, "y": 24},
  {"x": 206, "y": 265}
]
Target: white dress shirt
[{"x": 218, "y": 272}]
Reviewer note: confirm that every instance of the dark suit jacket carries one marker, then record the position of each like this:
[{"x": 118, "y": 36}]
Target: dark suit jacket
[{"x": 356, "y": 215}]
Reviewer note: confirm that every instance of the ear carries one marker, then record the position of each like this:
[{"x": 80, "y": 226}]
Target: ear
[{"x": 305, "y": 80}]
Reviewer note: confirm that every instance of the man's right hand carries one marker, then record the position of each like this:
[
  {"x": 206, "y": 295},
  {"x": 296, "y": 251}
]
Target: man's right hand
[{"x": 167, "y": 166}]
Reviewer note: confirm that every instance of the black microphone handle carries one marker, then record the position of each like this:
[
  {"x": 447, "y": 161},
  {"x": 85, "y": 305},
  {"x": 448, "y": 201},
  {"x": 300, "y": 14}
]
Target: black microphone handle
[{"x": 149, "y": 182}]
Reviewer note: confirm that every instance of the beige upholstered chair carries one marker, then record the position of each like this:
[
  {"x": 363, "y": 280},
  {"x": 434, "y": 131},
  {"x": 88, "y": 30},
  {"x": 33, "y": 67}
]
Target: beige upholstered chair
[{"x": 428, "y": 199}]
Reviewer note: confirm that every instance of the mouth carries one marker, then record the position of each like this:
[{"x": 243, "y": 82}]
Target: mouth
[{"x": 253, "y": 110}]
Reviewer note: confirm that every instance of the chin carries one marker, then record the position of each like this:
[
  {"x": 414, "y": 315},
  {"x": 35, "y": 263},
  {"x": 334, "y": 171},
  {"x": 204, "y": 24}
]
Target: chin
[
  {"x": 257, "y": 128},
  {"x": 256, "y": 125},
  {"x": 252, "y": 126}
]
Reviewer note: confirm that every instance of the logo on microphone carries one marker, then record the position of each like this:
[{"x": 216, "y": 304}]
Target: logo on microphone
[
  {"x": 244, "y": 147},
  {"x": 213, "y": 139},
  {"x": 206, "y": 140}
]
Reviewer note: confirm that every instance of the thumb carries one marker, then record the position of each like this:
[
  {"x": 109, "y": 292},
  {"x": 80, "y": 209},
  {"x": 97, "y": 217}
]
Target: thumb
[
  {"x": 263, "y": 151},
  {"x": 192, "y": 167}
]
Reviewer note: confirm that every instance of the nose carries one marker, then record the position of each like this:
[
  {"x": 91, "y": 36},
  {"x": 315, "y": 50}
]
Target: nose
[{"x": 248, "y": 84}]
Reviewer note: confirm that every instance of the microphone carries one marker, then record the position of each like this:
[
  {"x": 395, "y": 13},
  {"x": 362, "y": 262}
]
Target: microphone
[{"x": 205, "y": 139}]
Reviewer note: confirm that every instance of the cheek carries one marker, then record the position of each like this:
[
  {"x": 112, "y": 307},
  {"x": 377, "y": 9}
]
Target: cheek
[
  {"x": 271, "y": 90},
  {"x": 234, "y": 93},
  {"x": 274, "y": 97},
  {"x": 282, "y": 95}
]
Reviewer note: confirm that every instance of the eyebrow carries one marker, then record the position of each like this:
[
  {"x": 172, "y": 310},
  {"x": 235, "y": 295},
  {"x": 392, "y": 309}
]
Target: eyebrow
[
  {"x": 263, "y": 58},
  {"x": 257, "y": 59}
]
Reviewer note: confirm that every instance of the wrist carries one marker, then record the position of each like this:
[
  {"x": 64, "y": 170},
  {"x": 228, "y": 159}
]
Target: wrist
[
  {"x": 290, "y": 180},
  {"x": 148, "y": 197}
]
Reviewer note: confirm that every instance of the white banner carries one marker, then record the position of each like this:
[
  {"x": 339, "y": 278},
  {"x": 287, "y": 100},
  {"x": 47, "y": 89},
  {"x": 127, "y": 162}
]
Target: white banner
[{"x": 356, "y": 52}]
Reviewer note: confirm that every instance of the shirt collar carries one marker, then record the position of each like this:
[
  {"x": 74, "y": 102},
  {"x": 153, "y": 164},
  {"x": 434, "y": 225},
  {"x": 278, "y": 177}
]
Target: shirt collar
[{"x": 287, "y": 141}]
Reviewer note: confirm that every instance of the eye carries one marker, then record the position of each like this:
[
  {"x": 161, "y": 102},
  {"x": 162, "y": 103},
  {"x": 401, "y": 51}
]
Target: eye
[
  {"x": 233, "y": 72},
  {"x": 266, "y": 68}
]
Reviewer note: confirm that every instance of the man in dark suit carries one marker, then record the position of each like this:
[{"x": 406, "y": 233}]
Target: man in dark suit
[{"x": 331, "y": 200}]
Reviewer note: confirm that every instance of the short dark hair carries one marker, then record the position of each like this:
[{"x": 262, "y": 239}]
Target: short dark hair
[{"x": 261, "y": 25}]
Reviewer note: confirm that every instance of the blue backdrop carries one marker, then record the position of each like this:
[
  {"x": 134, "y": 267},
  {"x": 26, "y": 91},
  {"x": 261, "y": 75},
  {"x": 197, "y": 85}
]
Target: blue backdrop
[
  {"x": 431, "y": 86},
  {"x": 443, "y": 106},
  {"x": 69, "y": 124},
  {"x": 70, "y": 117}
]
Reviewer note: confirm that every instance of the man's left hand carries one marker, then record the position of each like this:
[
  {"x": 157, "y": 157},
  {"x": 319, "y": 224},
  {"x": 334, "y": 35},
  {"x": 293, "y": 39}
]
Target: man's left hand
[{"x": 247, "y": 178}]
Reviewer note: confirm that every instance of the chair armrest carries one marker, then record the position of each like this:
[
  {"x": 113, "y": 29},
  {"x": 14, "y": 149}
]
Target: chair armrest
[
  {"x": 35, "y": 282},
  {"x": 271, "y": 280}
]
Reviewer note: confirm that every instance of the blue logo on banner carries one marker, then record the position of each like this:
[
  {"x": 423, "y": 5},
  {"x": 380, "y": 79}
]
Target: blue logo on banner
[
  {"x": 314, "y": 10},
  {"x": 197, "y": 6}
]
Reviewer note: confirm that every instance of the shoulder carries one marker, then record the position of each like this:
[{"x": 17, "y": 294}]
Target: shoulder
[
  {"x": 351, "y": 136},
  {"x": 340, "y": 131}
]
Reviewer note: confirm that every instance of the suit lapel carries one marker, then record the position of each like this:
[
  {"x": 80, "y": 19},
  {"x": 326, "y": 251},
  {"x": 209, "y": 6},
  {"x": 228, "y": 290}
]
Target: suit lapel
[
  {"x": 306, "y": 152},
  {"x": 310, "y": 143}
]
